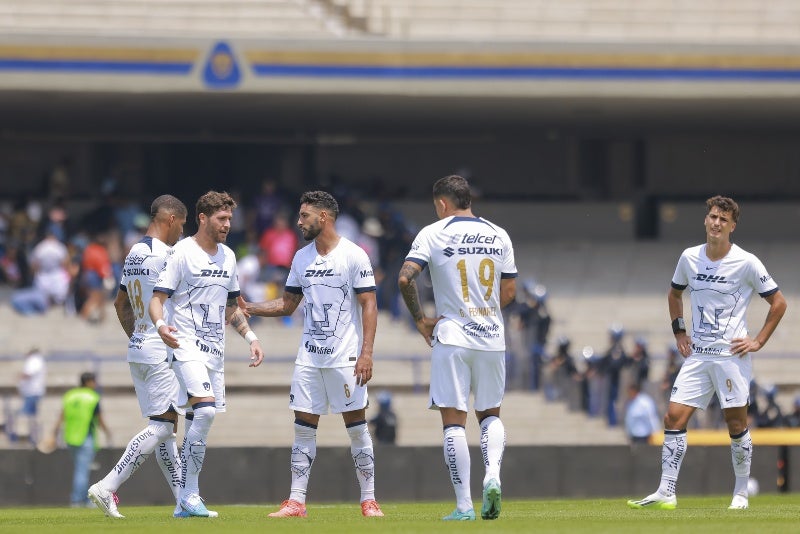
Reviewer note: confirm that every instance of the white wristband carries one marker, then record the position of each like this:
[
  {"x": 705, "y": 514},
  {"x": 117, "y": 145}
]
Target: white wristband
[
  {"x": 159, "y": 324},
  {"x": 250, "y": 336}
]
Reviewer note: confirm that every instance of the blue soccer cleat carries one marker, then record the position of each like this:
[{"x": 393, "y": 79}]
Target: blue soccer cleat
[
  {"x": 194, "y": 506},
  {"x": 455, "y": 515},
  {"x": 491, "y": 500}
]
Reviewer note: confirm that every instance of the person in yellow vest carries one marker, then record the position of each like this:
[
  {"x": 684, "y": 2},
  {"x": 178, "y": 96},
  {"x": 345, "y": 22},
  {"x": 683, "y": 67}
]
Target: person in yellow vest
[{"x": 80, "y": 417}]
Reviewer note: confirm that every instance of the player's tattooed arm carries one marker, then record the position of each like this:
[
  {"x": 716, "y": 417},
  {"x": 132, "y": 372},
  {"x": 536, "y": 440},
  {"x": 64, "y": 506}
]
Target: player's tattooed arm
[
  {"x": 408, "y": 288},
  {"x": 124, "y": 312},
  {"x": 286, "y": 305},
  {"x": 235, "y": 317}
]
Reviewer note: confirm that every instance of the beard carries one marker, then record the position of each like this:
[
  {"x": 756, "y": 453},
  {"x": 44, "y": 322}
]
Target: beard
[{"x": 311, "y": 233}]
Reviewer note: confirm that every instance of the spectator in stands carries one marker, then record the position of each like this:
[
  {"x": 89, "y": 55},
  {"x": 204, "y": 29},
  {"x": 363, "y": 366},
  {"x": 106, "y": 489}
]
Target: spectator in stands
[
  {"x": 770, "y": 416},
  {"x": 466, "y": 332},
  {"x": 96, "y": 279},
  {"x": 279, "y": 243},
  {"x": 674, "y": 362},
  {"x": 562, "y": 376},
  {"x": 639, "y": 362},
  {"x": 536, "y": 322},
  {"x": 80, "y": 416},
  {"x": 335, "y": 353},
  {"x": 793, "y": 419},
  {"x": 611, "y": 365},
  {"x": 32, "y": 384},
  {"x": 384, "y": 425},
  {"x": 50, "y": 263},
  {"x": 641, "y": 415},
  {"x": 267, "y": 204},
  {"x": 394, "y": 243},
  {"x": 717, "y": 344},
  {"x": 22, "y": 230}
]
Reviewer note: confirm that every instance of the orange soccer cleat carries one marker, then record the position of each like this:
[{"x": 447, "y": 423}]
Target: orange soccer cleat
[
  {"x": 290, "y": 508},
  {"x": 370, "y": 508}
]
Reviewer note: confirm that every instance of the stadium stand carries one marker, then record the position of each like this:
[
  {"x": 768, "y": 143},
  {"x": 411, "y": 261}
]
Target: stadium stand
[
  {"x": 188, "y": 18},
  {"x": 706, "y": 21},
  {"x": 703, "y": 21}
]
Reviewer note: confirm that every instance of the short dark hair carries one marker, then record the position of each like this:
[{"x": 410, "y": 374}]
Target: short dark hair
[
  {"x": 168, "y": 204},
  {"x": 456, "y": 188},
  {"x": 725, "y": 204},
  {"x": 87, "y": 377},
  {"x": 212, "y": 202},
  {"x": 322, "y": 201}
]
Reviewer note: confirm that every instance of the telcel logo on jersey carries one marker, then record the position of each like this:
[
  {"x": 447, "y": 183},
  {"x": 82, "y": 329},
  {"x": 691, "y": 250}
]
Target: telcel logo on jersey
[
  {"x": 214, "y": 273},
  {"x": 710, "y": 278},
  {"x": 472, "y": 239},
  {"x": 135, "y": 260},
  {"x": 314, "y": 349}
]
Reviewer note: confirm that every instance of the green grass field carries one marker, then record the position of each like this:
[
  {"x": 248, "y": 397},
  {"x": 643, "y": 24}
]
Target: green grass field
[{"x": 767, "y": 514}]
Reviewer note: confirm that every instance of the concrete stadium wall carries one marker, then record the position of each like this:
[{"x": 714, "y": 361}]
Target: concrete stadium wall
[{"x": 261, "y": 475}]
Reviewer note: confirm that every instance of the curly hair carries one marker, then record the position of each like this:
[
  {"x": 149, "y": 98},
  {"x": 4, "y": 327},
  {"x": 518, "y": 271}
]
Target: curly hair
[
  {"x": 322, "y": 201},
  {"x": 725, "y": 204},
  {"x": 212, "y": 202}
]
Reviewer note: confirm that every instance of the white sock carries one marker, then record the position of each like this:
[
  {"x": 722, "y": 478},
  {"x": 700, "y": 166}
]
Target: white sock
[
  {"x": 672, "y": 453},
  {"x": 304, "y": 450},
  {"x": 493, "y": 443},
  {"x": 456, "y": 458},
  {"x": 139, "y": 448},
  {"x": 742, "y": 457},
  {"x": 187, "y": 426},
  {"x": 170, "y": 463},
  {"x": 194, "y": 447},
  {"x": 363, "y": 458}
]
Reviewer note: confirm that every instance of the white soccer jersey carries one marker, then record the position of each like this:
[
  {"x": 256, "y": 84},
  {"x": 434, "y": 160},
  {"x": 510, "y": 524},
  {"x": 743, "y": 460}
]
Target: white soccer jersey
[
  {"x": 143, "y": 265},
  {"x": 719, "y": 292},
  {"x": 332, "y": 329},
  {"x": 467, "y": 257},
  {"x": 199, "y": 285}
]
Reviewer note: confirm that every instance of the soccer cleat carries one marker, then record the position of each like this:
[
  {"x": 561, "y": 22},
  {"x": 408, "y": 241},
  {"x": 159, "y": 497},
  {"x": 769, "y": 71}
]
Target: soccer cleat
[
  {"x": 491, "y": 500},
  {"x": 739, "y": 502},
  {"x": 105, "y": 500},
  {"x": 291, "y": 508},
  {"x": 370, "y": 508},
  {"x": 194, "y": 506},
  {"x": 456, "y": 515},
  {"x": 655, "y": 501},
  {"x": 182, "y": 514}
]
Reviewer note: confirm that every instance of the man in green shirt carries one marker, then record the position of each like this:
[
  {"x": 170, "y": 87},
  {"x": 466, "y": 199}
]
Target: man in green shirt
[{"x": 80, "y": 416}]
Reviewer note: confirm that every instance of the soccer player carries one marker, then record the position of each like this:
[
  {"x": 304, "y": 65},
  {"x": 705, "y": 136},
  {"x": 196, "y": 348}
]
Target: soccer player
[
  {"x": 716, "y": 343},
  {"x": 154, "y": 381},
  {"x": 334, "y": 361},
  {"x": 471, "y": 263},
  {"x": 201, "y": 280}
]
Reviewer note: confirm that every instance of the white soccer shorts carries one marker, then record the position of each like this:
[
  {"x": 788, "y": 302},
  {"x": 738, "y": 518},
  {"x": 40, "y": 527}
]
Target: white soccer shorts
[
  {"x": 317, "y": 390},
  {"x": 197, "y": 380},
  {"x": 455, "y": 371},
  {"x": 156, "y": 386},
  {"x": 698, "y": 380}
]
